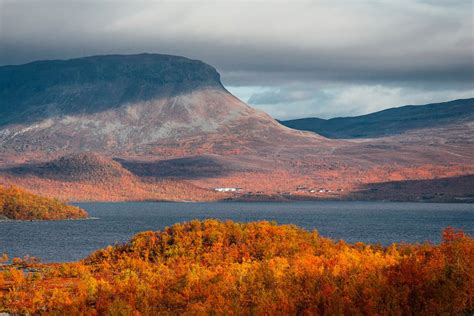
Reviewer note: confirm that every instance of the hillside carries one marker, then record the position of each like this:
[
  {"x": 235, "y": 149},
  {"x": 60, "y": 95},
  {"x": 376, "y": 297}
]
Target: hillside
[
  {"x": 257, "y": 268},
  {"x": 78, "y": 167},
  {"x": 17, "y": 204},
  {"x": 90, "y": 176},
  {"x": 388, "y": 122}
]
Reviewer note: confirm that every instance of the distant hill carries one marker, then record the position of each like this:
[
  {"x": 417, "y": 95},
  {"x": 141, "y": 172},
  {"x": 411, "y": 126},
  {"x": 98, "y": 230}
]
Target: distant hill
[
  {"x": 388, "y": 122},
  {"x": 76, "y": 167},
  {"x": 89, "y": 176}
]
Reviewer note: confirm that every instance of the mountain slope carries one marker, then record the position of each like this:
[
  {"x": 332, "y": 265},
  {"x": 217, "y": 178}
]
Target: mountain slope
[{"x": 389, "y": 122}]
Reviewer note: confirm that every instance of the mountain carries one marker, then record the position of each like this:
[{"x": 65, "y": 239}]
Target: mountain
[
  {"x": 389, "y": 122},
  {"x": 160, "y": 127},
  {"x": 124, "y": 105}
]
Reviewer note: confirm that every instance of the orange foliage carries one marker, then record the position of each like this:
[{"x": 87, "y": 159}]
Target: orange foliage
[
  {"x": 204, "y": 267},
  {"x": 18, "y": 204}
]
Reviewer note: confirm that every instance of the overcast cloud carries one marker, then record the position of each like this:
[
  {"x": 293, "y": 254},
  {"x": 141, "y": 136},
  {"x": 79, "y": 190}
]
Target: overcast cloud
[{"x": 289, "y": 58}]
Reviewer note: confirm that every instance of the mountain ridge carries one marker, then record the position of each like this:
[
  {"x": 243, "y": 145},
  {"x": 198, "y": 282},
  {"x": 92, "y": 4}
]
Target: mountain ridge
[{"x": 388, "y": 122}]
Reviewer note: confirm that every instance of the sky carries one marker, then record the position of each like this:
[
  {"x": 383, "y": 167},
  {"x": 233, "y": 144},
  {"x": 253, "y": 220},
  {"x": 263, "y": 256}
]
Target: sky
[{"x": 291, "y": 59}]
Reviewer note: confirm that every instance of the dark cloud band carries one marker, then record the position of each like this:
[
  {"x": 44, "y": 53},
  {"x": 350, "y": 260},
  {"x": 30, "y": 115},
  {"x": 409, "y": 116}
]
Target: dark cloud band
[{"x": 280, "y": 44}]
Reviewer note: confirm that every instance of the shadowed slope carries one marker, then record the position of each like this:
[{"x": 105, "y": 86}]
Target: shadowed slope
[
  {"x": 449, "y": 189},
  {"x": 195, "y": 167},
  {"x": 43, "y": 89},
  {"x": 75, "y": 167}
]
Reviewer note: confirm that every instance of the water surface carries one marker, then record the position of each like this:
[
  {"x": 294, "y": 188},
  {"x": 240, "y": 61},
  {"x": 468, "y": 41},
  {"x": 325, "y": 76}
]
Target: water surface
[{"x": 371, "y": 222}]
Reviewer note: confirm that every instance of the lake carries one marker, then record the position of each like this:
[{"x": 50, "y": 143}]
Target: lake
[{"x": 371, "y": 222}]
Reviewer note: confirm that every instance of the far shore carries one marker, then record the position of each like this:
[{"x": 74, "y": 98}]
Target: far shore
[
  {"x": 272, "y": 200},
  {"x": 48, "y": 220}
]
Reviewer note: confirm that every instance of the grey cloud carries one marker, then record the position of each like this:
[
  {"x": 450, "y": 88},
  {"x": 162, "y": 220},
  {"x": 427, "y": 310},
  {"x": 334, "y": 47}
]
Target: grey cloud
[
  {"x": 343, "y": 99},
  {"x": 336, "y": 40},
  {"x": 279, "y": 96}
]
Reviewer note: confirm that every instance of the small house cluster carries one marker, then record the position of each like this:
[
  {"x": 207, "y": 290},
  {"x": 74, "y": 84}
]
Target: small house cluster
[
  {"x": 228, "y": 189},
  {"x": 302, "y": 188}
]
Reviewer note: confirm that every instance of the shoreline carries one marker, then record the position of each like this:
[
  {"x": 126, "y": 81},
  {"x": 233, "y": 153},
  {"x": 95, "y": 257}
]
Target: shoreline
[
  {"x": 286, "y": 201},
  {"x": 48, "y": 220}
]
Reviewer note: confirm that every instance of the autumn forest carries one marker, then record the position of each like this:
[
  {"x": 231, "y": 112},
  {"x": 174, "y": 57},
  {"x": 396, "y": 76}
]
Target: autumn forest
[
  {"x": 19, "y": 204},
  {"x": 259, "y": 268}
]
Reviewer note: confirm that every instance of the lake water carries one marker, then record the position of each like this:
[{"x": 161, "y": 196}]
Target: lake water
[{"x": 371, "y": 222}]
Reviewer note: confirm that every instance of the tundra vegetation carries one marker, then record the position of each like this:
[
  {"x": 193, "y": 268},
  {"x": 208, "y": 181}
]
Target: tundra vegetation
[
  {"x": 18, "y": 204},
  {"x": 213, "y": 267}
]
